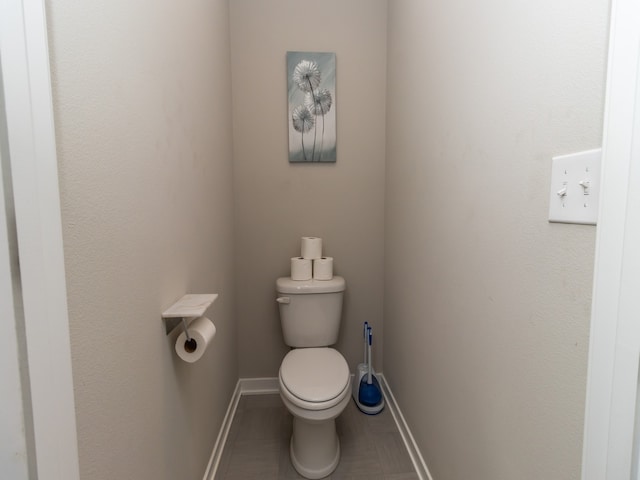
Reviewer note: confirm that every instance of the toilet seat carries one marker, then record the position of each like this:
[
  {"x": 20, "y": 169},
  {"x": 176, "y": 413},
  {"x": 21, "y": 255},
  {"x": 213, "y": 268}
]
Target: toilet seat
[{"x": 314, "y": 378}]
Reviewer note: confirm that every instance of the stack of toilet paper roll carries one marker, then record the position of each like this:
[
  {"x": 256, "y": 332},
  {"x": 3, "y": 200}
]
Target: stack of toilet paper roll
[{"x": 311, "y": 263}]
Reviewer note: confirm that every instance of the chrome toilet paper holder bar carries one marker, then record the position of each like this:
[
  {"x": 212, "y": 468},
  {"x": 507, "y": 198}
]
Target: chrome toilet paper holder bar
[
  {"x": 189, "y": 307},
  {"x": 186, "y": 329}
]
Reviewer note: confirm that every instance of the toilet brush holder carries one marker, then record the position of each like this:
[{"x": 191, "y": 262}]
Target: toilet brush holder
[
  {"x": 362, "y": 373},
  {"x": 367, "y": 391}
]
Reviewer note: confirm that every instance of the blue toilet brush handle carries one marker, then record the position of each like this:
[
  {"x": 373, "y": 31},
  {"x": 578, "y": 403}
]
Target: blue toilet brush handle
[{"x": 369, "y": 372}]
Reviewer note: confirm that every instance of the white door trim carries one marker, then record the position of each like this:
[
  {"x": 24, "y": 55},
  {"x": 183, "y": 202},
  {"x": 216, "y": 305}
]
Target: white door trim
[
  {"x": 615, "y": 319},
  {"x": 29, "y": 110},
  {"x": 14, "y": 457}
]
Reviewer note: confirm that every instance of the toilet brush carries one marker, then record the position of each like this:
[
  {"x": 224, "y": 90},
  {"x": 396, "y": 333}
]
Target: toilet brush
[{"x": 369, "y": 394}]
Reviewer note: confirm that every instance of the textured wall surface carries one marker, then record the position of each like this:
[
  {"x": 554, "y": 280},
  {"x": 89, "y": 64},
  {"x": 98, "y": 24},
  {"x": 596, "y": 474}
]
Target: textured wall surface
[
  {"x": 276, "y": 203},
  {"x": 143, "y": 119},
  {"x": 486, "y": 304}
]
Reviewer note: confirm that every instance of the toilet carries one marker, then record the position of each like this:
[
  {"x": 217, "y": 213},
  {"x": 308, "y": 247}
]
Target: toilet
[{"x": 314, "y": 379}]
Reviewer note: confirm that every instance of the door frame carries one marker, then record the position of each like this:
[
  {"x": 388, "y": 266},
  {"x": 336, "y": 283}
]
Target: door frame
[
  {"x": 34, "y": 177},
  {"x": 612, "y": 379}
]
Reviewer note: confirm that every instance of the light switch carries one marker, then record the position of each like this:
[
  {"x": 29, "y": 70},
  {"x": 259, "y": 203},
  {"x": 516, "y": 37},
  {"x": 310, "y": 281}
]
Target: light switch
[{"x": 575, "y": 187}]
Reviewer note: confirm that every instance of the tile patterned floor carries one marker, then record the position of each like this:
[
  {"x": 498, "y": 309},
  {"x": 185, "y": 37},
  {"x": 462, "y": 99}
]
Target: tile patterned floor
[{"x": 258, "y": 444}]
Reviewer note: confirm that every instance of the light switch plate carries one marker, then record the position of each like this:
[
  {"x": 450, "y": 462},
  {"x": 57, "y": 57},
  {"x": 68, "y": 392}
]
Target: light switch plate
[{"x": 575, "y": 188}]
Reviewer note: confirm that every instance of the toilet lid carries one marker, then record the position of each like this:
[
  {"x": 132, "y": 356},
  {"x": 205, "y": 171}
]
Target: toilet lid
[{"x": 314, "y": 374}]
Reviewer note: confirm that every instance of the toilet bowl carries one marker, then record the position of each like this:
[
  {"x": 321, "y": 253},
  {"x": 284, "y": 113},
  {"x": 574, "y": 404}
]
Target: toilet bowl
[{"x": 315, "y": 387}]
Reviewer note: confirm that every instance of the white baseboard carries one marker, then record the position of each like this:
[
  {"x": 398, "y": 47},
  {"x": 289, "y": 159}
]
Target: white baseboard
[
  {"x": 414, "y": 452},
  {"x": 216, "y": 454},
  {"x": 258, "y": 386},
  {"x": 264, "y": 386},
  {"x": 245, "y": 386}
]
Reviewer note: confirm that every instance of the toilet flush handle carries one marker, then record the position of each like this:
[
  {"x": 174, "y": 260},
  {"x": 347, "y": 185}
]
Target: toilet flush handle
[{"x": 283, "y": 300}]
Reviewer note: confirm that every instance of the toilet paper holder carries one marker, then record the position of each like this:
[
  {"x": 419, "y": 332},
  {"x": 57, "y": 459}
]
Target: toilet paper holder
[{"x": 190, "y": 306}]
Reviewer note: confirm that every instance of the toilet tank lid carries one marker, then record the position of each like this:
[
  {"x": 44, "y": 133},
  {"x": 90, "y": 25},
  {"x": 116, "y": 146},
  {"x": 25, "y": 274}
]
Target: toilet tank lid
[{"x": 302, "y": 287}]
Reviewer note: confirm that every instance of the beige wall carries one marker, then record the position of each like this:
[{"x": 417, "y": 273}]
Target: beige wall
[
  {"x": 142, "y": 112},
  {"x": 277, "y": 203},
  {"x": 486, "y": 304}
]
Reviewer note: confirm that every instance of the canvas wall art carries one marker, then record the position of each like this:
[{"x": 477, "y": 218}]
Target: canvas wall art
[{"x": 311, "y": 81}]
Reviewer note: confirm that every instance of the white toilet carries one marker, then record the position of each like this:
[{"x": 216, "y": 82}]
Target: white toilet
[{"x": 314, "y": 379}]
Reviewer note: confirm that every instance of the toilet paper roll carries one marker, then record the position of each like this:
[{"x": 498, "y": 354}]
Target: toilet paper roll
[
  {"x": 301, "y": 268},
  {"x": 201, "y": 330},
  {"x": 311, "y": 247},
  {"x": 323, "y": 268}
]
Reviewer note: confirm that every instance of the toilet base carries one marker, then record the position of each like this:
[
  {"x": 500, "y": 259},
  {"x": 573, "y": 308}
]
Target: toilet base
[{"x": 314, "y": 448}]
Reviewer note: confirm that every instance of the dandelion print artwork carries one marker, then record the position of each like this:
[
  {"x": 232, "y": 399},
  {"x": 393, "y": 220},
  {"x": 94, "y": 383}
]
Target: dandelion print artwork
[{"x": 311, "y": 79}]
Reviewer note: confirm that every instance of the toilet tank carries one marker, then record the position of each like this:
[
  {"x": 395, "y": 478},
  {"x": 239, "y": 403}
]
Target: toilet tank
[{"x": 310, "y": 311}]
